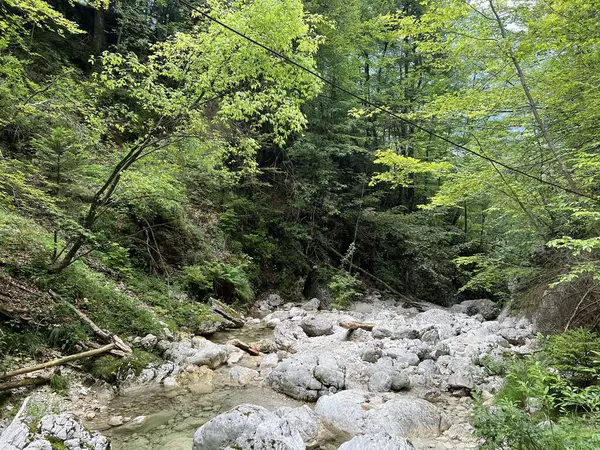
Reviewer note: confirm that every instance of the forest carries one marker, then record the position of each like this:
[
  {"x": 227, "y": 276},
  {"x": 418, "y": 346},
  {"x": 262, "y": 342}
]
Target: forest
[{"x": 156, "y": 155}]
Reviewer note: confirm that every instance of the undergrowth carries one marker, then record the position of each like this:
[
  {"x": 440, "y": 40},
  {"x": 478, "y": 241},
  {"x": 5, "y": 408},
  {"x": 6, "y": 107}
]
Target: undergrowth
[
  {"x": 112, "y": 369},
  {"x": 549, "y": 401}
]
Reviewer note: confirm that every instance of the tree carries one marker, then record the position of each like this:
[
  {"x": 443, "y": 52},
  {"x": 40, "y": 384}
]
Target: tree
[{"x": 195, "y": 84}]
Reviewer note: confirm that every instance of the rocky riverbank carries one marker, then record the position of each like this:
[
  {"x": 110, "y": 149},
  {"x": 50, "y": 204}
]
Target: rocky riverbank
[{"x": 405, "y": 384}]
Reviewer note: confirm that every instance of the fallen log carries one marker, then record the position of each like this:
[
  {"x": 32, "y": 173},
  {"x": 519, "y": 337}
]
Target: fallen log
[
  {"x": 243, "y": 346},
  {"x": 107, "y": 338},
  {"x": 228, "y": 313},
  {"x": 368, "y": 326},
  {"x": 58, "y": 362},
  {"x": 24, "y": 382}
]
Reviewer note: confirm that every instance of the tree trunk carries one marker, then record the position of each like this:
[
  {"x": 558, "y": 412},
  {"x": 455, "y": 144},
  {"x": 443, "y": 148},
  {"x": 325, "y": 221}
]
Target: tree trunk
[
  {"x": 99, "y": 36},
  {"x": 532, "y": 104}
]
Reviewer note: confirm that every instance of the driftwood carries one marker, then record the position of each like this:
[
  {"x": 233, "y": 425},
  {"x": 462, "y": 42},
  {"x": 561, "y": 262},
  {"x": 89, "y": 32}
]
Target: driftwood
[
  {"x": 243, "y": 346},
  {"x": 368, "y": 326},
  {"x": 225, "y": 311},
  {"x": 14, "y": 428},
  {"x": 24, "y": 382},
  {"x": 107, "y": 338},
  {"x": 58, "y": 362}
]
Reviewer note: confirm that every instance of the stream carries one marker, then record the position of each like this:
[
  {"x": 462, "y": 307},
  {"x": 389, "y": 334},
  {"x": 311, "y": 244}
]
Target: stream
[{"x": 172, "y": 415}]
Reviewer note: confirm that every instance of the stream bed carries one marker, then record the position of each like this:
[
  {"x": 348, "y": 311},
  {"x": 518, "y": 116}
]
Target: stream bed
[
  {"x": 409, "y": 376},
  {"x": 172, "y": 415}
]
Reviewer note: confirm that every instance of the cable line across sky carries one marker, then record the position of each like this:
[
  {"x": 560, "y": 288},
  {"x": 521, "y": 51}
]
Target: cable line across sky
[{"x": 383, "y": 109}]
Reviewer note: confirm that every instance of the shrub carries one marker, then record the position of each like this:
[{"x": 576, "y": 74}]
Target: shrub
[
  {"x": 576, "y": 355},
  {"x": 549, "y": 400},
  {"x": 345, "y": 288},
  {"x": 226, "y": 280}
]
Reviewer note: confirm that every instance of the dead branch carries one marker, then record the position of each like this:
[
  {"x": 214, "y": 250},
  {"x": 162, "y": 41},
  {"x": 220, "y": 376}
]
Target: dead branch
[
  {"x": 58, "y": 362},
  {"x": 368, "y": 326},
  {"x": 243, "y": 346},
  {"x": 24, "y": 382},
  {"x": 104, "y": 336},
  {"x": 14, "y": 428}
]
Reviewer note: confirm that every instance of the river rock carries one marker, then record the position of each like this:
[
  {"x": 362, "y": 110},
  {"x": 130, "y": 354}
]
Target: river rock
[
  {"x": 223, "y": 430},
  {"x": 312, "y": 305},
  {"x": 274, "y": 300},
  {"x": 400, "y": 381},
  {"x": 243, "y": 375},
  {"x": 269, "y": 360},
  {"x": 65, "y": 428},
  {"x": 307, "y": 423},
  {"x": 371, "y": 353},
  {"x": 379, "y": 441},
  {"x": 308, "y": 376},
  {"x": 251, "y": 427},
  {"x": 380, "y": 381},
  {"x": 115, "y": 421},
  {"x": 287, "y": 334},
  {"x": 514, "y": 336},
  {"x": 148, "y": 342},
  {"x": 316, "y": 326},
  {"x": 212, "y": 356},
  {"x": 359, "y": 412},
  {"x": 208, "y": 327},
  {"x": 486, "y": 307}
]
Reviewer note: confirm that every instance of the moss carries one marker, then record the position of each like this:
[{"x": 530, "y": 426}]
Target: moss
[
  {"x": 112, "y": 369},
  {"x": 56, "y": 444},
  {"x": 105, "y": 304}
]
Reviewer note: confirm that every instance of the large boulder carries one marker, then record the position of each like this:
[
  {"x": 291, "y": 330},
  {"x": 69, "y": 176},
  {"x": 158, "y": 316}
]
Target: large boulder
[
  {"x": 359, "y": 412},
  {"x": 308, "y": 376},
  {"x": 251, "y": 427},
  {"x": 484, "y": 306},
  {"x": 312, "y": 305},
  {"x": 212, "y": 356},
  {"x": 198, "y": 351},
  {"x": 287, "y": 335},
  {"x": 223, "y": 430},
  {"x": 307, "y": 423},
  {"x": 316, "y": 326},
  {"x": 379, "y": 441}
]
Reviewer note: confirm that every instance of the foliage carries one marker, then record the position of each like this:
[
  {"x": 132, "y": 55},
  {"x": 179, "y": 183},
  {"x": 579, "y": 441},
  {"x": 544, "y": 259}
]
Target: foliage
[
  {"x": 207, "y": 279},
  {"x": 344, "y": 288},
  {"x": 59, "y": 383},
  {"x": 402, "y": 169},
  {"x": 549, "y": 400},
  {"x": 177, "y": 311},
  {"x": 113, "y": 369}
]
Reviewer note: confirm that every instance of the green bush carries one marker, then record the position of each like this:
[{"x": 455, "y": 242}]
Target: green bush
[
  {"x": 576, "y": 355},
  {"x": 345, "y": 288},
  {"x": 549, "y": 400},
  {"x": 203, "y": 281}
]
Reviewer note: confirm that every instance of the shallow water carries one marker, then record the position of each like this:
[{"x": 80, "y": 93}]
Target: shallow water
[
  {"x": 176, "y": 414},
  {"x": 173, "y": 415}
]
